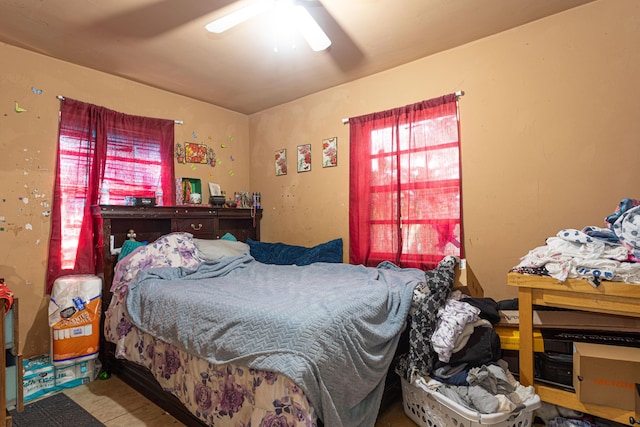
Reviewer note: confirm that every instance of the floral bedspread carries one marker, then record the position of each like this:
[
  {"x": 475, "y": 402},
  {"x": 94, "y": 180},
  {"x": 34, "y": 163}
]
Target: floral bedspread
[{"x": 220, "y": 395}]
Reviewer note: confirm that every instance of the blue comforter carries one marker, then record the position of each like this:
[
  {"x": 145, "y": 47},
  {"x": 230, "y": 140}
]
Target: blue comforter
[{"x": 331, "y": 328}]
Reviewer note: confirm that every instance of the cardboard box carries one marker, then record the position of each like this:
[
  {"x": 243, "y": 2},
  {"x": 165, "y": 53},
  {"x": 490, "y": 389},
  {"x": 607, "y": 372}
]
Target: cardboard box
[
  {"x": 465, "y": 281},
  {"x": 606, "y": 375}
]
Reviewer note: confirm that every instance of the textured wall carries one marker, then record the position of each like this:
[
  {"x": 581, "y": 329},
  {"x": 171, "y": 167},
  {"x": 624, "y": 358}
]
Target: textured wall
[
  {"x": 549, "y": 127},
  {"x": 28, "y": 142}
]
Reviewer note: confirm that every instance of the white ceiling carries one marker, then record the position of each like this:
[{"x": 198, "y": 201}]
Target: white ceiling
[{"x": 163, "y": 43}]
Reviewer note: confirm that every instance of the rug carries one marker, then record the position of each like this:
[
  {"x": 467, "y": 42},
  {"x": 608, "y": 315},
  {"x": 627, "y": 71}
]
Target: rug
[{"x": 54, "y": 411}]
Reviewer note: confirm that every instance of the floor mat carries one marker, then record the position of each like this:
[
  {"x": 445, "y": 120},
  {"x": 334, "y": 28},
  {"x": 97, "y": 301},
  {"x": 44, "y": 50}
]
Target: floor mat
[{"x": 54, "y": 411}]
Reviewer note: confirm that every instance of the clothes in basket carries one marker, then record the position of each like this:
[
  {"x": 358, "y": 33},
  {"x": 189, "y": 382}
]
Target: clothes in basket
[{"x": 429, "y": 408}]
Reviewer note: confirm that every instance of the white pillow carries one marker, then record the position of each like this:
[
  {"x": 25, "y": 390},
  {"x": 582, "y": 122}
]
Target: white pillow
[{"x": 211, "y": 250}]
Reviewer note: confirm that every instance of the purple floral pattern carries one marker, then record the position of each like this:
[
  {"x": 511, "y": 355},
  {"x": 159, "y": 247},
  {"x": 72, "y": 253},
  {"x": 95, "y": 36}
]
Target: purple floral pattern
[
  {"x": 221, "y": 395},
  {"x": 202, "y": 395}
]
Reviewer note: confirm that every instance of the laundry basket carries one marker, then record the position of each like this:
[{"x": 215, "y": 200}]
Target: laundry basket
[{"x": 428, "y": 408}]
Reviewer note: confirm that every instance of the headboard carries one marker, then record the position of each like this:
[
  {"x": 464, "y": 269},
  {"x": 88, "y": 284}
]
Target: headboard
[{"x": 149, "y": 223}]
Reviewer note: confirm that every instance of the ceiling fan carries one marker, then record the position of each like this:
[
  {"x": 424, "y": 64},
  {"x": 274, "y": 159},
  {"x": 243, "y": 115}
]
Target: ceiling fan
[{"x": 287, "y": 12}]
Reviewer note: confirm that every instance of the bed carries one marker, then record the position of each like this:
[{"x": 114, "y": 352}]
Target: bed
[{"x": 336, "y": 373}]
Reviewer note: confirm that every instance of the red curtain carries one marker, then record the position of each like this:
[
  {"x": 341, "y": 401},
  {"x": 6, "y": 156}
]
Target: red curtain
[
  {"x": 405, "y": 195},
  {"x": 102, "y": 156}
]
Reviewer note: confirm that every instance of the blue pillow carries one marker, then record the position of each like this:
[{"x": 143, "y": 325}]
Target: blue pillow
[
  {"x": 129, "y": 246},
  {"x": 229, "y": 236},
  {"x": 283, "y": 254}
]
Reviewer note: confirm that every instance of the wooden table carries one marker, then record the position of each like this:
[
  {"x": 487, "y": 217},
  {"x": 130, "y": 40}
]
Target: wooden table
[{"x": 615, "y": 298}]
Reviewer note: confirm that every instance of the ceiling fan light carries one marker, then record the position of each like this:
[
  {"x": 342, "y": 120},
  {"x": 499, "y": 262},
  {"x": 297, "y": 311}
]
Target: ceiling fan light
[
  {"x": 310, "y": 29},
  {"x": 239, "y": 16}
]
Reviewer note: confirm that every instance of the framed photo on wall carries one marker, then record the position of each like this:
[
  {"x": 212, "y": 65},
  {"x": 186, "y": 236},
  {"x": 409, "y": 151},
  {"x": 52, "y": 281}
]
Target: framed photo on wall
[
  {"x": 281, "y": 162},
  {"x": 330, "y": 152},
  {"x": 195, "y": 153},
  {"x": 304, "y": 158}
]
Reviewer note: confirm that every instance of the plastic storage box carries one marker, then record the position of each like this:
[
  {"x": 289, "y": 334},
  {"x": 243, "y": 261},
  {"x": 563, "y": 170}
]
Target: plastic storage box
[
  {"x": 428, "y": 408},
  {"x": 510, "y": 338}
]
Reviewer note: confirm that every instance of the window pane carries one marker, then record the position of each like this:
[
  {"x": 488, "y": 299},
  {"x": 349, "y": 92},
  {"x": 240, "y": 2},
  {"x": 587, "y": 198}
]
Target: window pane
[
  {"x": 382, "y": 141},
  {"x": 383, "y": 237},
  {"x": 384, "y": 206},
  {"x": 431, "y": 203},
  {"x": 133, "y": 166},
  {"x": 429, "y": 133},
  {"x": 384, "y": 171},
  {"x": 430, "y": 165},
  {"x": 437, "y": 238},
  {"x": 74, "y": 157},
  {"x": 72, "y": 211}
]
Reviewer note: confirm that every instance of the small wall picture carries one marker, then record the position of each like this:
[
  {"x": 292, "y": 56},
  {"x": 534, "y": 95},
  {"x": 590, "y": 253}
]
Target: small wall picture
[
  {"x": 180, "y": 153},
  {"x": 211, "y": 157},
  {"x": 304, "y": 158},
  {"x": 195, "y": 153},
  {"x": 281, "y": 162},
  {"x": 330, "y": 152}
]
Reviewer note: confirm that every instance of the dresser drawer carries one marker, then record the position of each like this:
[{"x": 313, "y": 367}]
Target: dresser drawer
[{"x": 199, "y": 227}]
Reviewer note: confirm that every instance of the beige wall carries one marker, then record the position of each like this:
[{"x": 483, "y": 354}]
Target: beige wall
[
  {"x": 549, "y": 141},
  {"x": 549, "y": 128},
  {"x": 28, "y": 146}
]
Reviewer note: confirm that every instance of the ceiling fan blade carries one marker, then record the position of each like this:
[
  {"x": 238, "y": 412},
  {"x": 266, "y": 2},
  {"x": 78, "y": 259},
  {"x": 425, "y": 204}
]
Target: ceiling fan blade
[
  {"x": 145, "y": 20},
  {"x": 308, "y": 27},
  {"x": 239, "y": 16},
  {"x": 310, "y": 30}
]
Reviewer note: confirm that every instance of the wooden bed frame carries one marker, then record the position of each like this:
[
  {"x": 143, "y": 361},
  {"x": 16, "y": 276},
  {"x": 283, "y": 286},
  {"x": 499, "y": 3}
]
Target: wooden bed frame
[{"x": 118, "y": 223}]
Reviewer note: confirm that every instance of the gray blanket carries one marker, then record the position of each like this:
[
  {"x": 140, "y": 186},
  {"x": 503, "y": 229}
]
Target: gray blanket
[{"x": 332, "y": 328}]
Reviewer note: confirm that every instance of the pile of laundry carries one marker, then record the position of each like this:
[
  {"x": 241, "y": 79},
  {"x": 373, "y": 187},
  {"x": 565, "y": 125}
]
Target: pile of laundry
[
  {"x": 454, "y": 349},
  {"x": 469, "y": 370},
  {"x": 593, "y": 253}
]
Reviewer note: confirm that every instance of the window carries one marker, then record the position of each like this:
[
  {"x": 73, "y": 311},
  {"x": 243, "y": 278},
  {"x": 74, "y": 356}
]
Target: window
[
  {"x": 405, "y": 196},
  {"x": 103, "y": 157}
]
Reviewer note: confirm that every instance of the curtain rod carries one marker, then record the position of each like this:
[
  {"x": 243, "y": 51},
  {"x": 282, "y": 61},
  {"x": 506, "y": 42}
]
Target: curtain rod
[
  {"x": 457, "y": 94},
  {"x": 178, "y": 122}
]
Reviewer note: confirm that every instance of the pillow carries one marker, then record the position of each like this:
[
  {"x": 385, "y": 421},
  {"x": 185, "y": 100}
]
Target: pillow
[
  {"x": 171, "y": 250},
  {"x": 229, "y": 236},
  {"x": 129, "y": 246},
  {"x": 283, "y": 254},
  {"x": 211, "y": 250}
]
